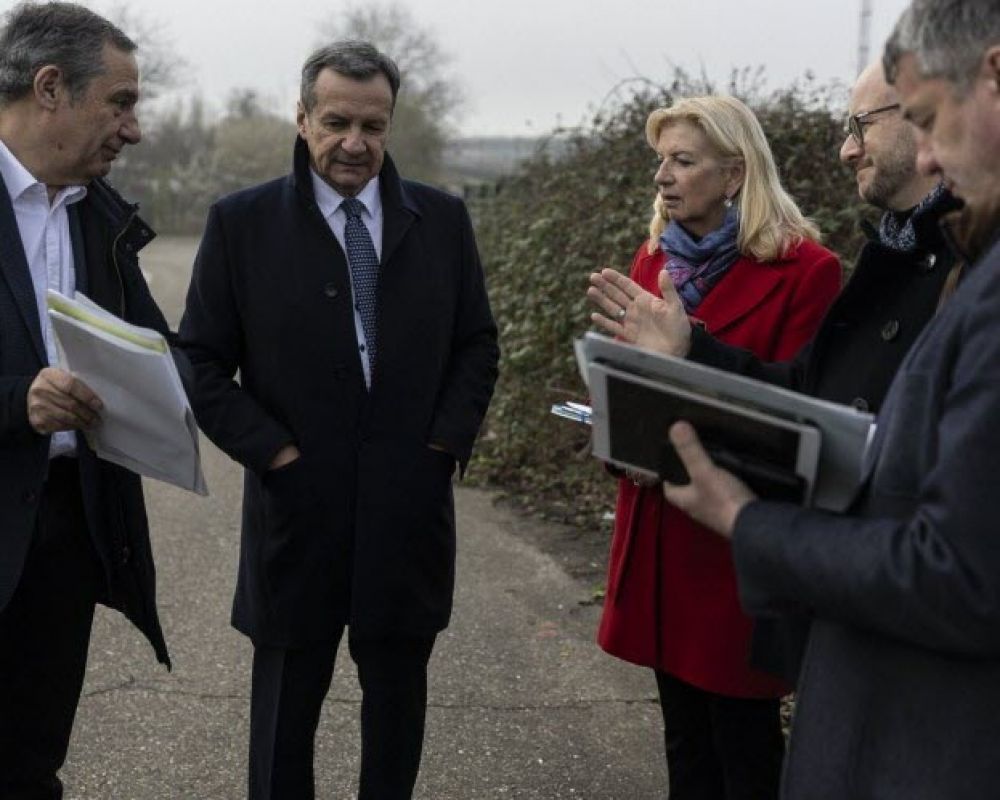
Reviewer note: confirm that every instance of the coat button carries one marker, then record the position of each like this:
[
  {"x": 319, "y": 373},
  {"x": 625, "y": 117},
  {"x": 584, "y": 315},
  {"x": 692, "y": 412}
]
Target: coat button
[
  {"x": 330, "y": 290},
  {"x": 860, "y": 403},
  {"x": 890, "y": 330},
  {"x": 928, "y": 262},
  {"x": 29, "y": 496}
]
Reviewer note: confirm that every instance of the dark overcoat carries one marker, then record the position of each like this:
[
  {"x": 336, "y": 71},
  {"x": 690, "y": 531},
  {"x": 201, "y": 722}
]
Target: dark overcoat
[
  {"x": 900, "y": 687},
  {"x": 866, "y": 333},
  {"x": 360, "y": 530},
  {"x": 107, "y": 235}
]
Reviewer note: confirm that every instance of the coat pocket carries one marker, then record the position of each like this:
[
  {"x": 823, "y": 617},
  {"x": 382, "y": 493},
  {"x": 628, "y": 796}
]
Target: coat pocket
[
  {"x": 291, "y": 507},
  {"x": 404, "y": 557}
]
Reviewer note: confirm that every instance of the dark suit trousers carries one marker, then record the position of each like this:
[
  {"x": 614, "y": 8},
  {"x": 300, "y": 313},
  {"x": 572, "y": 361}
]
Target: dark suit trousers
[
  {"x": 287, "y": 694},
  {"x": 44, "y": 633},
  {"x": 718, "y": 747}
]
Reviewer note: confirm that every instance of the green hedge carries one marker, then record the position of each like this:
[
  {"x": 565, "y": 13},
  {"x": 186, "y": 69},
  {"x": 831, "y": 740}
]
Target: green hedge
[{"x": 565, "y": 215}]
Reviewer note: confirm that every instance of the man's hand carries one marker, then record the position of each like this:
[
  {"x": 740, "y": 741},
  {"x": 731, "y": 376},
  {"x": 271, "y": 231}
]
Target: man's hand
[
  {"x": 659, "y": 324},
  {"x": 59, "y": 402},
  {"x": 714, "y": 497},
  {"x": 286, "y": 455}
]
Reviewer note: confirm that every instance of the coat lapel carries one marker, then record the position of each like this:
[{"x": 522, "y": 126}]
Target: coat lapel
[
  {"x": 398, "y": 213},
  {"x": 746, "y": 286},
  {"x": 15, "y": 271}
]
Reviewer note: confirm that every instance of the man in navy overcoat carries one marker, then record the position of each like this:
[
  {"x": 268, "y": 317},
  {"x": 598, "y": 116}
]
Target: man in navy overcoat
[{"x": 352, "y": 304}]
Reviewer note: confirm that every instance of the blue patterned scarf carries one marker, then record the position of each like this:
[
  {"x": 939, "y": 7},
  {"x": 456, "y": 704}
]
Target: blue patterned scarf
[
  {"x": 896, "y": 230},
  {"x": 696, "y": 266}
]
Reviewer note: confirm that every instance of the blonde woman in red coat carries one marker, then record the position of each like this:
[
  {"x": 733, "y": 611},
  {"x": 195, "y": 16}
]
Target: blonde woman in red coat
[{"x": 748, "y": 267}]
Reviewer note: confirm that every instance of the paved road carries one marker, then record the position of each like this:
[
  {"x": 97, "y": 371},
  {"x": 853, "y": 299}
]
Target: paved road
[{"x": 522, "y": 703}]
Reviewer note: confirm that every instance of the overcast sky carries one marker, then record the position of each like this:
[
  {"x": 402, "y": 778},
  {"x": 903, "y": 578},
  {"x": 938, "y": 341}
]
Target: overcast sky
[{"x": 526, "y": 65}]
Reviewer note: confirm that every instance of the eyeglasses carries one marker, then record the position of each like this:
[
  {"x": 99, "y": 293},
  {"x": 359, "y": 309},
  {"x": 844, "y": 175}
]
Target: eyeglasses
[{"x": 854, "y": 125}]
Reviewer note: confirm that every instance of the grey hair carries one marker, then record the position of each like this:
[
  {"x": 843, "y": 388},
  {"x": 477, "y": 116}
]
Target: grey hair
[
  {"x": 351, "y": 58},
  {"x": 946, "y": 37},
  {"x": 65, "y": 35}
]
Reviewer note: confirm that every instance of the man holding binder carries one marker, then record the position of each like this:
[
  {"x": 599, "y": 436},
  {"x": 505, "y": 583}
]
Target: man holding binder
[
  {"x": 73, "y": 529},
  {"x": 901, "y": 684},
  {"x": 353, "y": 305}
]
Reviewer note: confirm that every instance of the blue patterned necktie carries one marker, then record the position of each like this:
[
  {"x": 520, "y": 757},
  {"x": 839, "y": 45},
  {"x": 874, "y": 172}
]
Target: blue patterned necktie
[{"x": 364, "y": 269}]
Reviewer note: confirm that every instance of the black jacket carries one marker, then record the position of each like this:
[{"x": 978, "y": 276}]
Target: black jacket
[
  {"x": 107, "y": 235},
  {"x": 867, "y": 331},
  {"x": 852, "y": 360},
  {"x": 360, "y": 529}
]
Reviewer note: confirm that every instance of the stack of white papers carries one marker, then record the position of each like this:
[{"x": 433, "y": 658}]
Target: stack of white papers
[{"x": 147, "y": 425}]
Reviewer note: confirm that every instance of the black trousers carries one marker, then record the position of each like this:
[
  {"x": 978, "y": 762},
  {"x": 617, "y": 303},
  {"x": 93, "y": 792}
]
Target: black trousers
[
  {"x": 44, "y": 634},
  {"x": 287, "y": 694},
  {"x": 718, "y": 747}
]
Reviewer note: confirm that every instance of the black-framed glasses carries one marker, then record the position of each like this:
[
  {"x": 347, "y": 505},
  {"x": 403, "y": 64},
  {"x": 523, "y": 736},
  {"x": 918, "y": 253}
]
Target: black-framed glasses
[{"x": 854, "y": 125}]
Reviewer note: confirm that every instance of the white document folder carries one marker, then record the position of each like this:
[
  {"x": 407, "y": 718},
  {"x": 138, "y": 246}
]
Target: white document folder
[{"x": 147, "y": 424}]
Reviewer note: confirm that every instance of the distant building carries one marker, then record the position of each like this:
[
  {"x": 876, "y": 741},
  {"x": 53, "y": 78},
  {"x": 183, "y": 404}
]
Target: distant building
[{"x": 473, "y": 165}]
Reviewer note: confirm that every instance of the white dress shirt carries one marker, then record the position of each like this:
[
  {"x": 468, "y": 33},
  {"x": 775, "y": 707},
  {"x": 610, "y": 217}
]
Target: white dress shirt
[
  {"x": 44, "y": 229},
  {"x": 329, "y": 201}
]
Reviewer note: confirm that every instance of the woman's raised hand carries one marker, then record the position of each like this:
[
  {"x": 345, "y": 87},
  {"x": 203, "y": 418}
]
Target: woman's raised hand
[{"x": 639, "y": 317}]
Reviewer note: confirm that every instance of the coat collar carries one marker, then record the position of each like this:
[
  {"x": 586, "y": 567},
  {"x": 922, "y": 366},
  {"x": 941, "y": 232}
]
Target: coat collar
[
  {"x": 398, "y": 209},
  {"x": 121, "y": 216},
  {"x": 927, "y": 229},
  {"x": 125, "y": 226}
]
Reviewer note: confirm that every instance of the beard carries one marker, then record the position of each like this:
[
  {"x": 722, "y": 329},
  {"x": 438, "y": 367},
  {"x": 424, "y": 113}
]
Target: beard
[{"x": 890, "y": 176}]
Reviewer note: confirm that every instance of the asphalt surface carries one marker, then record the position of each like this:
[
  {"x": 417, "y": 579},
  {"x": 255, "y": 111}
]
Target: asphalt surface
[{"x": 522, "y": 703}]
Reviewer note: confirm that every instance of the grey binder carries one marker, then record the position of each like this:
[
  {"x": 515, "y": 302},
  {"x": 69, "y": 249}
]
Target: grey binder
[{"x": 784, "y": 444}]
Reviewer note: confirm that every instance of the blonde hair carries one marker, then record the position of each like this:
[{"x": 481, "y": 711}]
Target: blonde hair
[{"x": 770, "y": 223}]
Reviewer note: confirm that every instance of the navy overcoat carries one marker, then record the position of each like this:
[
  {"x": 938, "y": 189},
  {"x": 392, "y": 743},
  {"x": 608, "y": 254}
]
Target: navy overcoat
[{"x": 360, "y": 530}]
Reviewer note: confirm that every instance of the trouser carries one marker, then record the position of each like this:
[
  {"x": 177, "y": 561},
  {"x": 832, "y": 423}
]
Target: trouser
[
  {"x": 718, "y": 747},
  {"x": 44, "y": 634},
  {"x": 287, "y": 693}
]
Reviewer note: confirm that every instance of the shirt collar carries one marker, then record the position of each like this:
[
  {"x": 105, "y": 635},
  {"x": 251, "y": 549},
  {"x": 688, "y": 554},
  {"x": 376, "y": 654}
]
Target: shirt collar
[
  {"x": 18, "y": 180},
  {"x": 329, "y": 199}
]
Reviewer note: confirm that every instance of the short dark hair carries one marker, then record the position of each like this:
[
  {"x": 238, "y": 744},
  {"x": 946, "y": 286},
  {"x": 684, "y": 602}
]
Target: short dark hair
[
  {"x": 946, "y": 37},
  {"x": 64, "y": 34},
  {"x": 351, "y": 58}
]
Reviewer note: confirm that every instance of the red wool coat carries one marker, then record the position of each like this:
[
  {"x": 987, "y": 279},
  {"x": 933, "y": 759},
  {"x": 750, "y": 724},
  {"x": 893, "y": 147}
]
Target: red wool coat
[{"x": 671, "y": 599}]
